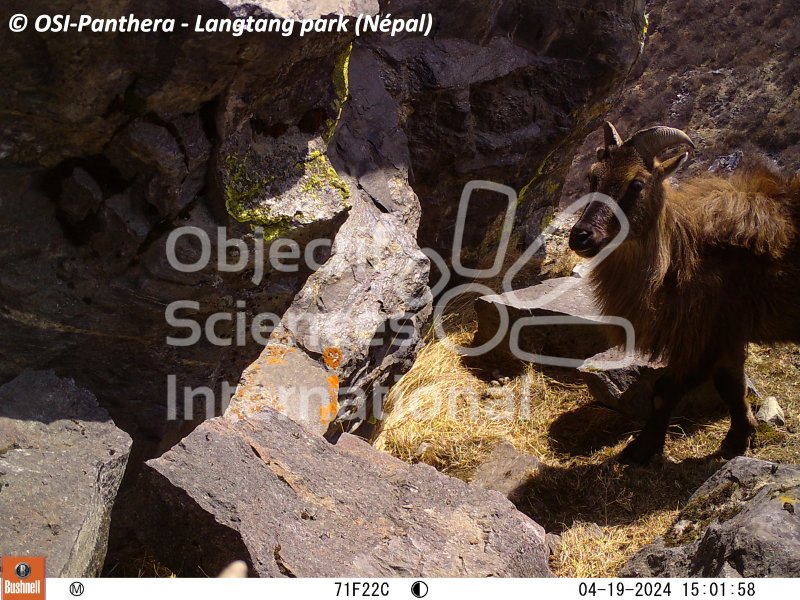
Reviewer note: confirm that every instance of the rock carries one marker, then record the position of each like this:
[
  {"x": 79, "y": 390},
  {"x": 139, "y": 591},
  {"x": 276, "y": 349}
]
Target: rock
[
  {"x": 740, "y": 523},
  {"x": 628, "y": 387},
  {"x": 506, "y": 470},
  {"x": 582, "y": 336},
  {"x": 554, "y": 543},
  {"x": 771, "y": 412},
  {"x": 557, "y": 258},
  {"x": 359, "y": 317},
  {"x": 236, "y": 570},
  {"x": 729, "y": 162},
  {"x": 61, "y": 463},
  {"x": 422, "y": 450},
  {"x": 111, "y": 143},
  {"x": 290, "y": 504},
  {"x": 287, "y": 380},
  {"x": 358, "y": 322},
  {"x": 581, "y": 270},
  {"x": 80, "y": 196},
  {"x": 502, "y": 92}
]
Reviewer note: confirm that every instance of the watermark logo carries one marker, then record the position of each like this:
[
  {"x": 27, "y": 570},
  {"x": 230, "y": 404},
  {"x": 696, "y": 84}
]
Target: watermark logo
[
  {"x": 23, "y": 578},
  {"x": 507, "y": 330},
  {"x": 192, "y": 250}
]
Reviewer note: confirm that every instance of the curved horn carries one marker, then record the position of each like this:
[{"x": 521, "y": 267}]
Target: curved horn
[
  {"x": 612, "y": 138},
  {"x": 649, "y": 142}
]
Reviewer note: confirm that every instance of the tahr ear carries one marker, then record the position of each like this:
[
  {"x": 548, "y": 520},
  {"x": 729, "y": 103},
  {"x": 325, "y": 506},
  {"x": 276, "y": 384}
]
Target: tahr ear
[{"x": 669, "y": 166}]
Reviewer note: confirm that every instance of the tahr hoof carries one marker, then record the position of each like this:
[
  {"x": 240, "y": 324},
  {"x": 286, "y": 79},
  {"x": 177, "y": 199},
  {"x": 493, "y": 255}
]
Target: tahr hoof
[
  {"x": 638, "y": 452},
  {"x": 736, "y": 444}
]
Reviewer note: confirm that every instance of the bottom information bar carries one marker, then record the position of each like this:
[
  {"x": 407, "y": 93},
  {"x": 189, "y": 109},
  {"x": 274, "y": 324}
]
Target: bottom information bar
[{"x": 432, "y": 589}]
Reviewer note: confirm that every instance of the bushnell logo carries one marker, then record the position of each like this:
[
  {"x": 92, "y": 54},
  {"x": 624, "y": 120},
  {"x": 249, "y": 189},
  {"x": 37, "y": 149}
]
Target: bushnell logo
[
  {"x": 23, "y": 570},
  {"x": 23, "y": 578}
]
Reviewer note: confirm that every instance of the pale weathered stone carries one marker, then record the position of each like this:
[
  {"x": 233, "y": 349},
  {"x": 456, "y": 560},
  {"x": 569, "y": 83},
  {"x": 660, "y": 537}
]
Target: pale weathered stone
[{"x": 771, "y": 412}]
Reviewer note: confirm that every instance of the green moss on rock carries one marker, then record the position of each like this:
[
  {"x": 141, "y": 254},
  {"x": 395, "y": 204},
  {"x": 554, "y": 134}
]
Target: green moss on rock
[
  {"x": 318, "y": 173},
  {"x": 242, "y": 190},
  {"x": 315, "y": 191},
  {"x": 719, "y": 505},
  {"x": 341, "y": 86}
]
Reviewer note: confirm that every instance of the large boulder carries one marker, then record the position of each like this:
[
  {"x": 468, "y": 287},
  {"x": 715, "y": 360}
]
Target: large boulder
[
  {"x": 61, "y": 463},
  {"x": 742, "y": 522},
  {"x": 289, "y": 503}
]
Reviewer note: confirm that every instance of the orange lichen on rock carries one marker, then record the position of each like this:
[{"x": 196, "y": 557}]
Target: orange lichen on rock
[
  {"x": 275, "y": 355},
  {"x": 328, "y": 412},
  {"x": 332, "y": 357}
]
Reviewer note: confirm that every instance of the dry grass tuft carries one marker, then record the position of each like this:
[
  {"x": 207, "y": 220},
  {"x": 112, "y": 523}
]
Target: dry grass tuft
[
  {"x": 430, "y": 406},
  {"x": 445, "y": 415},
  {"x": 145, "y": 566}
]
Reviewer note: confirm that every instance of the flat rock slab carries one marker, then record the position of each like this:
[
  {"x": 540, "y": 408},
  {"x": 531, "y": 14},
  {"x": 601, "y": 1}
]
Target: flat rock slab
[
  {"x": 506, "y": 470},
  {"x": 61, "y": 463},
  {"x": 580, "y": 338},
  {"x": 742, "y": 522},
  {"x": 267, "y": 491}
]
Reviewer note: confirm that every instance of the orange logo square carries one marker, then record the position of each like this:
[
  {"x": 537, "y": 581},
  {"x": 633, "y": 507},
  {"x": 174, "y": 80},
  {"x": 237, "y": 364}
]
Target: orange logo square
[{"x": 23, "y": 578}]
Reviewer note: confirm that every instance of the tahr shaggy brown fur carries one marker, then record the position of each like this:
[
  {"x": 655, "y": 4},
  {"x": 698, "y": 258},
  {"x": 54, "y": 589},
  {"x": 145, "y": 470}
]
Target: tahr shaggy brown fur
[{"x": 706, "y": 267}]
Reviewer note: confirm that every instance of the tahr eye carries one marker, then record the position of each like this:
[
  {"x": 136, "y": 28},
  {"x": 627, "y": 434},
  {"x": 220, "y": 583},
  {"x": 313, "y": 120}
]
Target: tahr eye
[{"x": 637, "y": 185}]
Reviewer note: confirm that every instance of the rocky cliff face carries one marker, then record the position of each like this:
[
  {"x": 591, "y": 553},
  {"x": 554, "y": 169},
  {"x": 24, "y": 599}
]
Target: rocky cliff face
[
  {"x": 727, "y": 74},
  {"x": 111, "y": 142},
  {"x": 503, "y": 91}
]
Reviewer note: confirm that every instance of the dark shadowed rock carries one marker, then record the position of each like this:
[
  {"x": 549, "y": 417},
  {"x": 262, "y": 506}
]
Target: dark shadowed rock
[
  {"x": 502, "y": 91},
  {"x": 61, "y": 463},
  {"x": 742, "y": 522},
  {"x": 628, "y": 387},
  {"x": 113, "y": 141},
  {"x": 563, "y": 297},
  {"x": 290, "y": 504},
  {"x": 506, "y": 470}
]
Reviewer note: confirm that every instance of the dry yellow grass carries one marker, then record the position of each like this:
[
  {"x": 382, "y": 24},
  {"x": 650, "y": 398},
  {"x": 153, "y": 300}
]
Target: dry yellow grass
[{"x": 443, "y": 414}]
